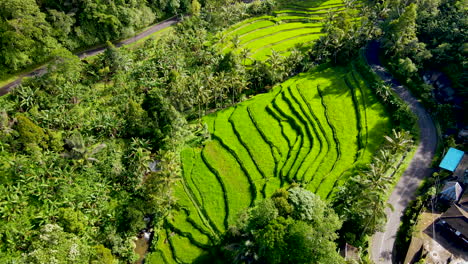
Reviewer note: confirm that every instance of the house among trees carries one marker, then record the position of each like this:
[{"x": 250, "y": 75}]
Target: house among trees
[{"x": 451, "y": 192}]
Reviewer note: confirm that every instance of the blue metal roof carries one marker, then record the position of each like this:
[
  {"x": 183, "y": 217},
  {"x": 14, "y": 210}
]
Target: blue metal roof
[{"x": 452, "y": 159}]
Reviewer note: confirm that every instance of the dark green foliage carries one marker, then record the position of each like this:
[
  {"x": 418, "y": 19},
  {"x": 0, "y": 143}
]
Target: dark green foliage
[
  {"x": 31, "y": 31},
  {"x": 425, "y": 36},
  {"x": 302, "y": 231}
]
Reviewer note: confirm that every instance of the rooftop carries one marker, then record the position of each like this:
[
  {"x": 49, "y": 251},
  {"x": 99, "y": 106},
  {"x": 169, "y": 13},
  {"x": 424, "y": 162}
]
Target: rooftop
[{"x": 452, "y": 159}]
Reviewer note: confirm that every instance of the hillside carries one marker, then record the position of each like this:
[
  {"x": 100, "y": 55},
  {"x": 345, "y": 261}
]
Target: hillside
[{"x": 311, "y": 129}]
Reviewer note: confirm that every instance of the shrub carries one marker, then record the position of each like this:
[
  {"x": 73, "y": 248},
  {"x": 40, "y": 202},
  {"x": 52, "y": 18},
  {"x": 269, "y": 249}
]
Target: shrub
[
  {"x": 72, "y": 221},
  {"x": 103, "y": 255},
  {"x": 30, "y": 134}
]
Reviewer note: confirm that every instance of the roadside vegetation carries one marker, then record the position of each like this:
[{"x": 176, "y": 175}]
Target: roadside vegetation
[
  {"x": 32, "y": 31},
  {"x": 420, "y": 41}
]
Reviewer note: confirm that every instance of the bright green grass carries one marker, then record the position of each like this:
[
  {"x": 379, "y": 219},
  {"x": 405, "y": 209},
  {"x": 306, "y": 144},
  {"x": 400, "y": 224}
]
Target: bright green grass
[
  {"x": 184, "y": 251},
  {"x": 206, "y": 187},
  {"x": 321, "y": 144},
  {"x": 303, "y": 146},
  {"x": 298, "y": 23},
  {"x": 236, "y": 184},
  {"x": 164, "y": 253},
  {"x": 278, "y": 29},
  {"x": 305, "y": 130},
  {"x": 377, "y": 121},
  {"x": 314, "y": 3},
  {"x": 277, "y": 38},
  {"x": 335, "y": 93},
  {"x": 251, "y": 138},
  {"x": 268, "y": 125},
  {"x": 262, "y": 54},
  {"x": 316, "y": 141},
  {"x": 253, "y": 26},
  {"x": 307, "y": 13},
  {"x": 224, "y": 133},
  {"x": 181, "y": 225},
  {"x": 307, "y": 90},
  {"x": 246, "y": 22}
]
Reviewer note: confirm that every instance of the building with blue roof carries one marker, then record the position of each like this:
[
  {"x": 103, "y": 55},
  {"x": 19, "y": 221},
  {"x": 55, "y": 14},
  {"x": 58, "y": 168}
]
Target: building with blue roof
[{"x": 452, "y": 159}]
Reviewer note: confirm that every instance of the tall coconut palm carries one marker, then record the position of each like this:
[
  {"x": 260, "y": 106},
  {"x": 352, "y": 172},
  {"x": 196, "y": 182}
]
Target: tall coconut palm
[
  {"x": 236, "y": 41},
  {"x": 245, "y": 54},
  {"x": 275, "y": 60}
]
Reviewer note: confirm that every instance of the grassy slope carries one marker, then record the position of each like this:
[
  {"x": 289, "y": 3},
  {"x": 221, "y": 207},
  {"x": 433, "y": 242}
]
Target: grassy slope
[
  {"x": 311, "y": 129},
  {"x": 297, "y": 23},
  {"x": 305, "y": 130}
]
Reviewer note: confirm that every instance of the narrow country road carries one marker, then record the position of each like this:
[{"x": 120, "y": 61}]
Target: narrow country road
[
  {"x": 91, "y": 52},
  {"x": 382, "y": 246}
]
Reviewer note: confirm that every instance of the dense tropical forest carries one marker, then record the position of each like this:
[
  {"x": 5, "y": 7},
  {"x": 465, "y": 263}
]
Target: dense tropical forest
[
  {"x": 252, "y": 132},
  {"x": 32, "y": 31}
]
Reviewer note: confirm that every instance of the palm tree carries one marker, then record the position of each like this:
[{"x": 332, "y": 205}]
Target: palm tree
[
  {"x": 275, "y": 60},
  {"x": 374, "y": 210},
  {"x": 400, "y": 141},
  {"x": 375, "y": 178},
  {"x": 245, "y": 54},
  {"x": 236, "y": 41},
  {"x": 384, "y": 159},
  {"x": 384, "y": 91},
  {"x": 79, "y": 151}
]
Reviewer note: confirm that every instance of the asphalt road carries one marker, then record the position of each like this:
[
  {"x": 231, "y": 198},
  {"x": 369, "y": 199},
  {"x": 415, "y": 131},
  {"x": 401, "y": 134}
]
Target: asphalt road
[
  {"x": 383, "y": 243},
  {"x": 91, "y": 52}
]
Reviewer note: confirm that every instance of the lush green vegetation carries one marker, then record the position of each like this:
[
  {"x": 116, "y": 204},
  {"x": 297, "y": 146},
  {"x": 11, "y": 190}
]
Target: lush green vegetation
[
  {"x": 293, "y": 226},
  {"x": 91, "y": 149},
  {"x": 76, "y": 147},
  {"x": 33, "y": 30},
  {"x": 287, "y": 27},
  {"x": 295, "y": 133},
  {"x": 426, "y": 37}
]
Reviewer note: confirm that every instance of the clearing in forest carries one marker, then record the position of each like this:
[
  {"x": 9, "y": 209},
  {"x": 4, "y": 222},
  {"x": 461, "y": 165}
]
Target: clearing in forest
[{"x": 312, "y": 129}]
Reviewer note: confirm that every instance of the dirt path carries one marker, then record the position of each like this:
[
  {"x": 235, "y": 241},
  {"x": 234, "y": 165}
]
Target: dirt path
[
  {"x": 91, "y": 52},
  {"x": 382, "y": 246}
]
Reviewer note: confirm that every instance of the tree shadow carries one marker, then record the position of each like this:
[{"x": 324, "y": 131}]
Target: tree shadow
[{"x": 213, "y": 256}]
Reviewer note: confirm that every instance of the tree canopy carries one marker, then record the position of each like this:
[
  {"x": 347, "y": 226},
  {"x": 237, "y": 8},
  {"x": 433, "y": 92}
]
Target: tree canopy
[{"x": 293, "y": 226}]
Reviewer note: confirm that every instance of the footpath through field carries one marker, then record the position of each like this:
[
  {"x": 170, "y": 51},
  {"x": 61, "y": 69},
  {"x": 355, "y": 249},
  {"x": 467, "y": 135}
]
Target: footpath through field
[
  {"x": 91, "y": 52},
  {"x": 382, "y": 247}
]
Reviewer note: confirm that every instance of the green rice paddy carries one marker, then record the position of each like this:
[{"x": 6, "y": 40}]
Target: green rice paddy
[
  {"x": 296, "y": 23},
  {"x": 312, "y": 130}
]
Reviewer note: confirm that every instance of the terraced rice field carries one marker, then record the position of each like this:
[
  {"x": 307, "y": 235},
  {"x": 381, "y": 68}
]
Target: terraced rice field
[
  {"x": 312, "y": 129},
  {"x": 298, "y": 22}
]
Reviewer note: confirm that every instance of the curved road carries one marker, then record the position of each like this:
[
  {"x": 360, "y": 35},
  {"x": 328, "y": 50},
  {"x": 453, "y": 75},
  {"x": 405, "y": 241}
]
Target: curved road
[
  {"x": 382, "y": 246},
  {"x": 91, "y": 52}
]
